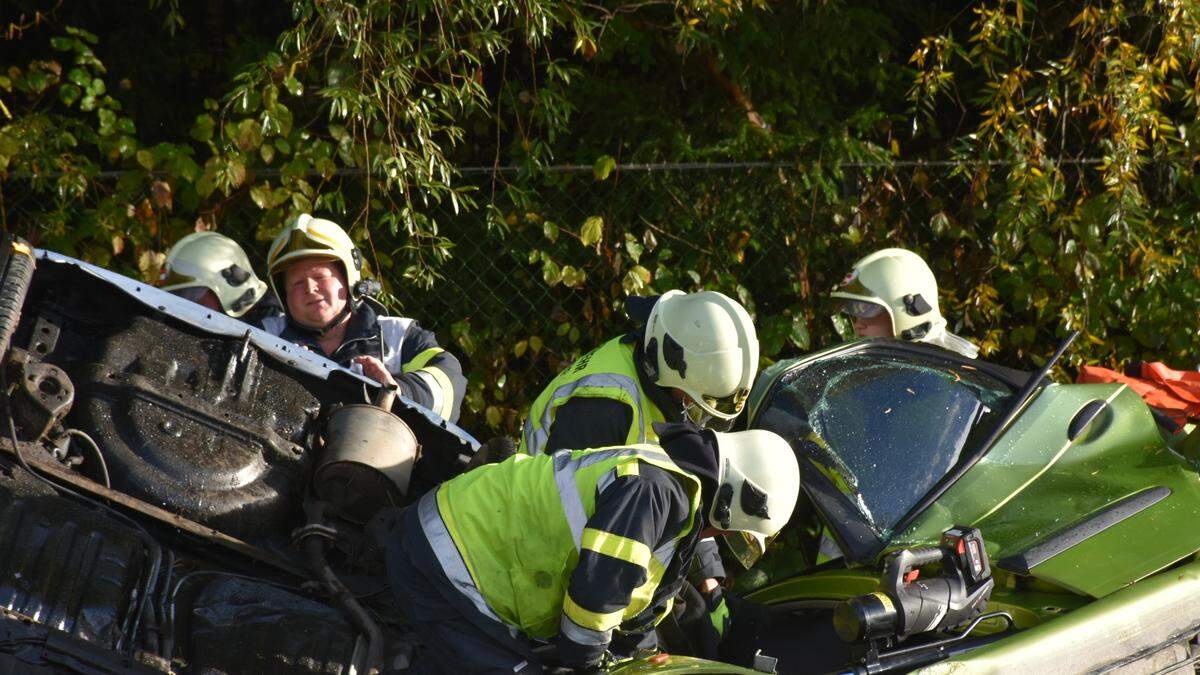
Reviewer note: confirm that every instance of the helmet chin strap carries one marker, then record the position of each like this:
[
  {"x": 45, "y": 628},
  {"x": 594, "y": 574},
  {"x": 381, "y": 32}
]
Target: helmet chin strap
[{"x": 695, "y": 413}]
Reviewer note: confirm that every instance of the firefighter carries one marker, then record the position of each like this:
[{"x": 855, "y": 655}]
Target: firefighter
[
  {"x": 893, "y": 293},
  {"x": 583, "y": 549},
  {"x": 210, "y": 269},
  {"x": 316, "y": 272},
  {"x": 696, "y": 358}
]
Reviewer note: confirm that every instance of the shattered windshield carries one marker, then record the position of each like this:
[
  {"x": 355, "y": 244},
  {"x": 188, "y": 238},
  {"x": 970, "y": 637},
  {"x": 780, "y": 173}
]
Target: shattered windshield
[{"x": 875, "y": 431}]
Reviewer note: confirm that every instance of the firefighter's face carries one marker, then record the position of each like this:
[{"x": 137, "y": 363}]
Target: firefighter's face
[
  {"x": 316, "y": 291},
  {"x": 879, "y": 325}
]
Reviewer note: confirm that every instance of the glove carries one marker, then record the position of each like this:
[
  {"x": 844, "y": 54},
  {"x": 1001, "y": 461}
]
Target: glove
[
  {"x": 495, "y": 450},
  {"x": 745, "y": 627},
  {"x": 704, "y": 620},
  {"x": 598, "y": 666}
]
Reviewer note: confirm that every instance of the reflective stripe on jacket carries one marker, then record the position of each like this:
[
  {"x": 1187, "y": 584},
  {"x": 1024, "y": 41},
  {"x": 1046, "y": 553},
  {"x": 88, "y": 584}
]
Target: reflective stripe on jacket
[
  {"x": 609, "y": 372},
  {"x": 509, "y": 536}
]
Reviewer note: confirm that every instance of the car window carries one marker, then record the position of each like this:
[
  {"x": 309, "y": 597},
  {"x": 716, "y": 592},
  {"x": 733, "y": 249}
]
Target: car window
[{"x": 874, "y": 431}]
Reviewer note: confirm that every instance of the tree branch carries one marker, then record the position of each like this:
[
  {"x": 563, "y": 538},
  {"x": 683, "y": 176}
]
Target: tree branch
[{"x": 735, "y": 92}]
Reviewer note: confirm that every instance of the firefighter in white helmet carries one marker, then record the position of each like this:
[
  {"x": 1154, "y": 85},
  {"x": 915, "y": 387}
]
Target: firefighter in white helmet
[
  {"x": 695, "y": 358},
  {"x": 212, "y": 270},
  {"x": 893, "y": 293},
  {"x": 316, "y": 271},
  {"x": 586, "y": 549}
]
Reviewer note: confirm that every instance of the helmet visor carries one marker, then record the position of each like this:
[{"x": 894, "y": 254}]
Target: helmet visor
[
  {"x": 170, "y": 279},
  {"x": 745, "y": 547},
  {"x": 862, "y": 309},
  {"x": 729, "y": 405},
  {"x": 305, "y": 240}
]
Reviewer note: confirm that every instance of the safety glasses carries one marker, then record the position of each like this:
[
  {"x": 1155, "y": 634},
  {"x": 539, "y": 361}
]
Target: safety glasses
[
  {"x": 729, "y": 405},
  {"x": 862, "y": 309}
]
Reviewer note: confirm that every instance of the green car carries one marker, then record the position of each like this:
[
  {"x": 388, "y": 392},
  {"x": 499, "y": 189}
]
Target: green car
[{"x": 1087, "y": 514}]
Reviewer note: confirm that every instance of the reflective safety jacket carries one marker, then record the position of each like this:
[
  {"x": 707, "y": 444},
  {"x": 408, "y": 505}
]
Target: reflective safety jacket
[
  {"x": 531, "y": 541},
  {"x": 609, "y": 371}
]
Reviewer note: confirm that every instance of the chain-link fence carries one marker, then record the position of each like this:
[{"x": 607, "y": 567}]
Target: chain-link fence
[{"x": 539, "y": 267}]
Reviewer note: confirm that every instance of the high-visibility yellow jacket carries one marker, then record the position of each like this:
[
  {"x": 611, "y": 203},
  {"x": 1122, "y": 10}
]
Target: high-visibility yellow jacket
[
  {"x": 608, "y": 371},
  {"x": 510, "y": 535}
]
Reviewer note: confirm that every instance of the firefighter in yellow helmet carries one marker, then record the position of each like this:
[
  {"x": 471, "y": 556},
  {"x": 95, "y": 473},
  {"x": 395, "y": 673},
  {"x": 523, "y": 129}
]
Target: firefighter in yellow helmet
[
  {"x": 316, "y": 271},
  {"x": 210, "y": 269},
  {"x": 585, "y": 549},
  {"x": 893, "y": 293}
]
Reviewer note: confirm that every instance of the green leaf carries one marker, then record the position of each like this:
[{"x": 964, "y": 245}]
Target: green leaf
[
  {"x": 493, "y": 416},
  {"x": 563, "y": 328},
  {"x": 248, "y": 102},
  {"x": 592, "y": 231},
  {"x": 293, "y": 86},
  {"x": 573, "y": 276},
  {"x": 603, "y": 167},
  {"x": 267, "y": 152},
  {"x": 550, "y": 231},
  {"x": 261, "y": 196},
  {"x": 636, "y": 280},
  {"x": 249, "y": 135},
  {"x": 551, "y": 272},
  {"x": 535, "y": 343},
  {"x": 202, "y": 128},
  {"x": 80, "y": 77},
  {"x": 633, "y": 247},
  {"x": 649, "y": 240},
  {"x": 69, "y": 93},
  {"x": 519, "y": 348},
  {"x": 108, "y": 120},
  {"x": 799, "y": 335},
  {"x": 146, "y": 159}
]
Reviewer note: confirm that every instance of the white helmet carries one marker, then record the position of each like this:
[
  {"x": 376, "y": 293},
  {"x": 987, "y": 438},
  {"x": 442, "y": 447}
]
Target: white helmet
[
  {"x": 899, "y": 282},
  {"x": 310, "y": 237},
  {"x": 216, "y": 262},
  {"x": 705, "y": 345},
  {"x": 757, "y": 488}
]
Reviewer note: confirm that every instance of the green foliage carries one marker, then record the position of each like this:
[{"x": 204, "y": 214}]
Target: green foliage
[{"x": 1040, "y": 156}]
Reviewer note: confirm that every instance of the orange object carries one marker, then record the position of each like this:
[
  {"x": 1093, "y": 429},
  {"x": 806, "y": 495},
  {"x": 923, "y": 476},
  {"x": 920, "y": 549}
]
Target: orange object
[
  {"x": 659, "y": 659},
  {"x": 1174, "y": 392}
]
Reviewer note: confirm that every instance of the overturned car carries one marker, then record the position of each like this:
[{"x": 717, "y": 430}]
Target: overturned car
[{"x": 178, "y": 488}]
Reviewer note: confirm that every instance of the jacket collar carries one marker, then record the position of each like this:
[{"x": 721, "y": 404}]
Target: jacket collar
[{"x": 671, "y": 409}]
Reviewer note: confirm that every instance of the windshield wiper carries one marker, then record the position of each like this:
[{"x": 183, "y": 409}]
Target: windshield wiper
[{"x": 1031, "y": 387}]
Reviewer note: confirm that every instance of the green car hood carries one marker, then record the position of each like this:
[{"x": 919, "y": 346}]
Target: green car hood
[{"x": 1080, "y": 490}]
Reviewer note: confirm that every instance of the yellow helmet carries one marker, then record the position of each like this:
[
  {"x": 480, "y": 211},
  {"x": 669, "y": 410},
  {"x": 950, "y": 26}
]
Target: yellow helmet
[
  {"x": 216, "y": 262},
  {"x": 309, "y": 237}
]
